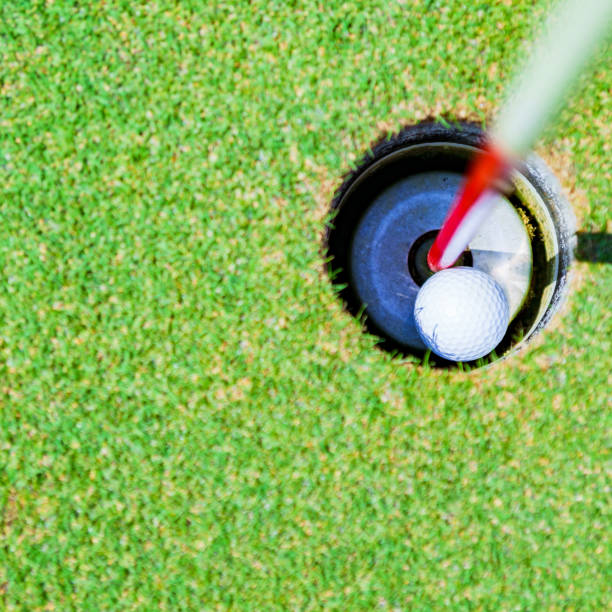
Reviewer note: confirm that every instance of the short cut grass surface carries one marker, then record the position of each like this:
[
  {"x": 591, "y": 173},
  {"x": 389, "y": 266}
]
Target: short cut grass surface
[{"x": 188, "y": 418}]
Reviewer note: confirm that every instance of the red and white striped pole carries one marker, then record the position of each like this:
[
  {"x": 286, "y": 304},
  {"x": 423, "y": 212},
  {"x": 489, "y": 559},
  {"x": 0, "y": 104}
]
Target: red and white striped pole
[
  {"x": 569, "y": 39},
  {"x": 470, "y": 208}
]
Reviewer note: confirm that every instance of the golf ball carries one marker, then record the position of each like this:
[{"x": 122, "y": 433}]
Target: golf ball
[{"x": 461, "y": 313}]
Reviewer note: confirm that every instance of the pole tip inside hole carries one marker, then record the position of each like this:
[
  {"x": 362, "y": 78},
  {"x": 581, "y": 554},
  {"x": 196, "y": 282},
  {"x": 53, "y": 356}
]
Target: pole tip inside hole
[{"x": 417, "y": 257}]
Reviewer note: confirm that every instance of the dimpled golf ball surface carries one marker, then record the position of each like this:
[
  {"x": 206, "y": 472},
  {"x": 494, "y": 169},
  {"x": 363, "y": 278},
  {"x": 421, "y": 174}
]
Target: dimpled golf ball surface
[{"x": 461, "y": 313}]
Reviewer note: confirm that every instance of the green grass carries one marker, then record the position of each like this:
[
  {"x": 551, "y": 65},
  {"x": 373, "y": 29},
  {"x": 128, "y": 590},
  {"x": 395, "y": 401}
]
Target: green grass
[{"x": 188, "y": 419}]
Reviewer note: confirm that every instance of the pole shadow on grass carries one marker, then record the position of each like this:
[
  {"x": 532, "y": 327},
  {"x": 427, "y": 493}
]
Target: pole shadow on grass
[{"x": 595, "y": 247}]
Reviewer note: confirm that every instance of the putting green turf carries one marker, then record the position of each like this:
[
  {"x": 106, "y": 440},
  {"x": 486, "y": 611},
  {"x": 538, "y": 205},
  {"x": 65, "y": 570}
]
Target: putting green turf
[{"x": 188, "y": 419}]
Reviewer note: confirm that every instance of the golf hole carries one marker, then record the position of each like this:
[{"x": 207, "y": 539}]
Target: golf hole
[{"x": 387, "y": 211}]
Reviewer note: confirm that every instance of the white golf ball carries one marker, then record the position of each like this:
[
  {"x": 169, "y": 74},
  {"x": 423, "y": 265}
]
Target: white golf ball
[{"x": 461, "y": 313}]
